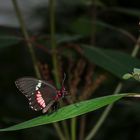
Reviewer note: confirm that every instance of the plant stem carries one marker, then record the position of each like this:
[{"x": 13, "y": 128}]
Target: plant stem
[
  {"x": 93, "y": 13},
  {"x": 53, "y": 42},
  {"x": 66, "y": 130},
  {"x": 73, "y": 128},
  {"x": 118, "y": 88},
  {"x": 82, "y": 127},
  {"x": 55, "y": 63},
  {"x": 59, "y": 131},
  {"x": 26, "y": 36}
]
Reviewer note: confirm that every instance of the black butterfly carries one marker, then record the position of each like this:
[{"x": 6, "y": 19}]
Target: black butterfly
[{"x": 41, "y": 94}]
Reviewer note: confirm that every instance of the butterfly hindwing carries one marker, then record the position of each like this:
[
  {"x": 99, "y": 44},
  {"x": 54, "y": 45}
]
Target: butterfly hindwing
[
  {"x": 38, "y": 92},
  {"x": 33, "y": 103}
]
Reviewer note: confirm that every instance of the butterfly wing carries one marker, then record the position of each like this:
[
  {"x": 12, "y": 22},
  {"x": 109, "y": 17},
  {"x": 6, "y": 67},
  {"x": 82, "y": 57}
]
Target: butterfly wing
[{"x": 39, "y": 93}]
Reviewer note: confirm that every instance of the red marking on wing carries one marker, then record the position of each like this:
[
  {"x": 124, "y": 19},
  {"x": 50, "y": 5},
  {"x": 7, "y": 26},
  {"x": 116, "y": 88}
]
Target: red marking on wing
[{"x": 40, "y": 100}]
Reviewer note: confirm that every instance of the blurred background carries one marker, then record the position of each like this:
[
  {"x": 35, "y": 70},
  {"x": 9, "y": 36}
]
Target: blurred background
[{"x": 93, "y": 43}]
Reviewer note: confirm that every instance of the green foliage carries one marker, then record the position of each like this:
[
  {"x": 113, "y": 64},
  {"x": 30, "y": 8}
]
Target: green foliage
[
  {"x": 68, "y": 112},
  {"x": 115, "y": 62},
  {"x": 135, "y": 74},
  {"x": 97, "y": 23},
  {"x": 127, "y": 76}
]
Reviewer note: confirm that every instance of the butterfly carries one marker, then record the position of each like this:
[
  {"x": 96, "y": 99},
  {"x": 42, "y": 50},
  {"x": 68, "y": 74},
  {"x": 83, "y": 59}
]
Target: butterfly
[{"x": 41, "y": 94}]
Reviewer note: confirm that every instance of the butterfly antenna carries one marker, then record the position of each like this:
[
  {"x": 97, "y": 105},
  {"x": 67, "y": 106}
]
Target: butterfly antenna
[{"x": 64, "y": 79}]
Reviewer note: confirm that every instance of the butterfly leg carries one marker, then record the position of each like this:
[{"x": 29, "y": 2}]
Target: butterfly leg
[
  {"x": 45, "y": 110},
  {"x": 55, "y": 106}
]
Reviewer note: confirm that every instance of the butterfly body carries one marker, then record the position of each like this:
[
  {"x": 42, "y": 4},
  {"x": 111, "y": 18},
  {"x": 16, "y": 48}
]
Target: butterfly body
[{"x": 41, "y": 94}]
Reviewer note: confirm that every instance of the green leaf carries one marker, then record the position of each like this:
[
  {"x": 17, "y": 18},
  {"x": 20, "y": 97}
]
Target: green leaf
[
  {"x": 127, "y": 76},
  {"x": 6, "y": 41},
  {"x": 136, "y": 70},
  {"x": 116, "y": 62},
  {"x": 68, "y": 112},
  {"x": 136, "y": 76},
  {"x": 113, "y": 28},
  {"x": 84, "y": 26}
]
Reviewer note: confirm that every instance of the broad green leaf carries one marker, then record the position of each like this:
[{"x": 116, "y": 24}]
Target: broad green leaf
[
  {"x": 68, "y": 112},
  {"x": 6, "y": 41},
  {"x": 116, "y": 62}
]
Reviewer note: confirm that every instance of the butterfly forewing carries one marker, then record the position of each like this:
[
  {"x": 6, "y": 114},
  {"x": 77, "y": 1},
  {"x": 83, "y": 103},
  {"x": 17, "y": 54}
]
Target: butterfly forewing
[{"x": 38, "y": 92}]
